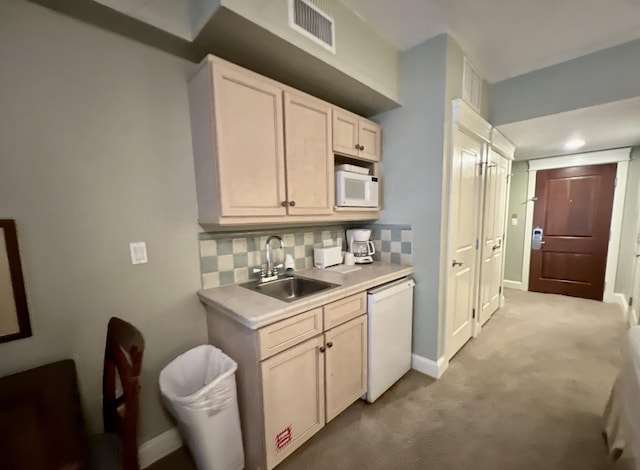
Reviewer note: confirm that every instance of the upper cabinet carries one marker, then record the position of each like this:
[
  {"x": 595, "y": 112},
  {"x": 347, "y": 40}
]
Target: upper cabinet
[
  {"x": 310, "y": 177},
  {"x": 263, "y": 151},
  {"x": 249, "y": 143},
  {"x": 356, "y": 136}
]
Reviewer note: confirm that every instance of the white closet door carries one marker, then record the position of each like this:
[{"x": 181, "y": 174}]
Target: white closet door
[
  {"x": 464, "y": 210},
  {"x": 492, "y": 244}
]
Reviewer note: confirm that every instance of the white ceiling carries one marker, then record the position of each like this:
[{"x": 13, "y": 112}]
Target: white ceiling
[
  {"x": 506, "y": 38},
  {"x": 605, "y": 126}
]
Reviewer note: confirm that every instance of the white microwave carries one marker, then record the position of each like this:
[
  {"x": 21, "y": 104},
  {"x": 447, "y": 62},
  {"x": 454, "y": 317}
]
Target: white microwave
[{"x": 356, "y": 190}]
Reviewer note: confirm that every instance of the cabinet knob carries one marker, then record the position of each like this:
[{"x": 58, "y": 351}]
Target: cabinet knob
[
  {"x": 322, "y": 349},
  {"x": 357, "y": 147},
  {"x": 292, "y": 203},
  {"x": 362, "y": 147},
  {"x": 330, "y": 344},
  {"x": 283, "y": 203}
]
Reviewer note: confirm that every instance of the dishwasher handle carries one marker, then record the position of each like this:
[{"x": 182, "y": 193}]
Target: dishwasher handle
[{"x": 390, "y": 289}]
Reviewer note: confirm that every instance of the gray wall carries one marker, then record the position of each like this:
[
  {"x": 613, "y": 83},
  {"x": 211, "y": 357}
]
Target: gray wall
[
  {"x": 604, "y": 76},
  {"x": 626, "y": 257},
  {"x": 412, "y": 168},
  {"x": 96, "y": 153},
  {"x": 515, "y": 233}
]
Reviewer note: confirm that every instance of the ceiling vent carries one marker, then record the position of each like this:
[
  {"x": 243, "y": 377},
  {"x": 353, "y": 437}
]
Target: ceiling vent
[{"x": 309, "y": 20}]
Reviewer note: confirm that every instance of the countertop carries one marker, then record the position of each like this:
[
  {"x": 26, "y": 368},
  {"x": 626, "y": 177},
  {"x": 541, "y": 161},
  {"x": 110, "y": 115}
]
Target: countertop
[{"x": 255, "y": 310}]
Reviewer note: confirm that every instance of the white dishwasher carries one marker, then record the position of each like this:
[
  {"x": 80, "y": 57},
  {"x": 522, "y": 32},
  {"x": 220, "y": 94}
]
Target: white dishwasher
[{"x": 390, "y": 319}]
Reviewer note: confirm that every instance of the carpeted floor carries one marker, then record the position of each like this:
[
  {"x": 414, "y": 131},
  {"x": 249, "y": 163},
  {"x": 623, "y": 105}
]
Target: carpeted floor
[{"x": 528, "y": 393}]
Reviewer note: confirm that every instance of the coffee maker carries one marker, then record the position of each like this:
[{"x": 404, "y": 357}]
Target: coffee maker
[{"x": 359, "y": 243}]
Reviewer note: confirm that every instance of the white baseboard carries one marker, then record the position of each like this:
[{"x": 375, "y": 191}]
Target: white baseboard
[
  {"x": 429, "y": 367},
  {"x": 610, "y": 298},
  {"x": 513, "y": 284},
  {"x": 621, "y": 300},
  {"x": 158, "y": 447}
]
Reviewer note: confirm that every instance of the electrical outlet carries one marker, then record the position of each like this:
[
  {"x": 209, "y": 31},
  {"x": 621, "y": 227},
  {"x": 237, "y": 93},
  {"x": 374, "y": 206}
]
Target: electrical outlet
[{"x": 138, "y": 252}]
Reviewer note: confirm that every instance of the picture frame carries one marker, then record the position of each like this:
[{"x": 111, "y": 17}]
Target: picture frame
[{"x": 14, "y": 311}]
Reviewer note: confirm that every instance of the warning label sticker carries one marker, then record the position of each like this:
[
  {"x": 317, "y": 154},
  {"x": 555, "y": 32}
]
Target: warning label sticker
[{"x": 283, "y": 438}]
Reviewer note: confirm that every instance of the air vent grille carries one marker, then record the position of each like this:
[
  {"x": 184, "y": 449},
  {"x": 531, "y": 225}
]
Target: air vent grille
[{"x": 308, "y": 19}]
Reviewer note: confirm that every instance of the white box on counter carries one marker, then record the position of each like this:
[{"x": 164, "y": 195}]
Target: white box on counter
[{"x": 323, "y": 257}]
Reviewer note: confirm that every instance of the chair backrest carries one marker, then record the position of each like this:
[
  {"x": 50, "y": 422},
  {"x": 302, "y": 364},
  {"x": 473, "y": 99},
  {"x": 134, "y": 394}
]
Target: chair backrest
[{"x": 120, "y": 387}]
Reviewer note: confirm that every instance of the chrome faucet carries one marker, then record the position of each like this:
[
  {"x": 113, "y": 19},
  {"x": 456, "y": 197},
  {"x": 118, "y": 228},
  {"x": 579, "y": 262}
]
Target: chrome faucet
[{"x": 272, "y": 272}]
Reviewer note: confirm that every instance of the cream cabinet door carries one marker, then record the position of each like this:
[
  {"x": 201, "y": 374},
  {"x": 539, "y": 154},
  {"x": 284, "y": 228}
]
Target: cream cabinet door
[
  {"x": 293, "y": 395},
  {"x": 345, "y": 133},
  {"x": 346, "y": 365},
  {"x": 309, "y": 156},
  {"x": 369, "y": 139},
  {"x": 249, "y": 143}
]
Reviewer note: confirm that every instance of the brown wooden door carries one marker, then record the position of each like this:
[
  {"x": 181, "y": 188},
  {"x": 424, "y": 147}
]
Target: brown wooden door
[{"x": 573, "y": 208}]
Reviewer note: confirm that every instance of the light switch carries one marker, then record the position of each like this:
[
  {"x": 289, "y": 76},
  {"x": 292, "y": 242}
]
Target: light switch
[
  {"x": 514, "y": 219},
  {"x": 138, "y": 253}
]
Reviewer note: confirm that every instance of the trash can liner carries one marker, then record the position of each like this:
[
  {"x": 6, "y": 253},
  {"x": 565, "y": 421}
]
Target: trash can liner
[
  {"x": 199, "y": 388},
  {"x": 195, "y": 390}
]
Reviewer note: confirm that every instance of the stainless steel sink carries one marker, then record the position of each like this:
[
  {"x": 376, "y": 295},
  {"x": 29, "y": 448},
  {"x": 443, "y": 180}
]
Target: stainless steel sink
[{"x": 289, "y": 289}]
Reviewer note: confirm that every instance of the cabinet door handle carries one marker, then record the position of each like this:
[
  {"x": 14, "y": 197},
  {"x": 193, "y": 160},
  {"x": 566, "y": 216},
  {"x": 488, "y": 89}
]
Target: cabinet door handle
[
  {"x": 330, "y": 344},
  {"x": 455, "y": 263},
  {"x": 292, "y": 203},
  {"x": 283, "y": 203},
  {"x": 322, "y": 349}
]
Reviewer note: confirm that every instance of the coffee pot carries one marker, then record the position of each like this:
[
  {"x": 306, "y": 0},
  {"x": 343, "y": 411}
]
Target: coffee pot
[{"x": 359, "y": 243}]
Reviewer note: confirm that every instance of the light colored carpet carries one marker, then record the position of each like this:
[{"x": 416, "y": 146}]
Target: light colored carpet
[{"x": 528, "y": 393}]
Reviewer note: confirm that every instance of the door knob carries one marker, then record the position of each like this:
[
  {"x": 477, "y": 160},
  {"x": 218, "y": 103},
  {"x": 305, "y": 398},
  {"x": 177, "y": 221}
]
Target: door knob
[{"x": 455, "y": 263}]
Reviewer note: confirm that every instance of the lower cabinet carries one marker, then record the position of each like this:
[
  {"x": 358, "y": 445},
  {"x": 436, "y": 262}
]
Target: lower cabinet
[
  {"x": 345, "y": 365},
  {"x": 311, "y": 384},
  {"x": 293, "y": 397},
  {"x": 295, "y": 375}
]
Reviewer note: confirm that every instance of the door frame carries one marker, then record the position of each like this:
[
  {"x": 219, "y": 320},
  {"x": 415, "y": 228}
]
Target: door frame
[
  {"x": 631, "y": 311},
  {"x": 621, "y": 157}
]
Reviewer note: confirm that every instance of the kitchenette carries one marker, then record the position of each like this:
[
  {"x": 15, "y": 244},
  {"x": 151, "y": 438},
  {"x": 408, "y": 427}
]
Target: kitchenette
[
  {"x": 310, "y": 297},
  {"x": 302, "y": 362}
]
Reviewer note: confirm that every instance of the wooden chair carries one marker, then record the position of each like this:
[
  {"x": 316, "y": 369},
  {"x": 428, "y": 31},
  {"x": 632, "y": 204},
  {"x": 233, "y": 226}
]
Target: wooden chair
[{"x": 120, "y": 388}]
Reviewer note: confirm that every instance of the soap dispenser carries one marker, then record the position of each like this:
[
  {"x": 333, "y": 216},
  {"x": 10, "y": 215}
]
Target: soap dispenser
[{"x": 289, "y": 264}]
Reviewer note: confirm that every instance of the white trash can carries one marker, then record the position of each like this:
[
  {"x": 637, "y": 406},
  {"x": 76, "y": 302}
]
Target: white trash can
[{"x": 199, "y": 387}]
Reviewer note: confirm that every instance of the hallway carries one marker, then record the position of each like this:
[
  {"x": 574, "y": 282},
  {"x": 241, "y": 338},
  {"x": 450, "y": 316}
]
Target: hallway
[{"x": 528, "y": 393}]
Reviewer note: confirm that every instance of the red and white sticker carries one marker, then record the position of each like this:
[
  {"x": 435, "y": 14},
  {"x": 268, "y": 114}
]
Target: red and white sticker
[{"x": 283, "y": 438}]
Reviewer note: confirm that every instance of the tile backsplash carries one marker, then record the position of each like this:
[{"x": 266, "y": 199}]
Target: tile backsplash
[
  {"x": 393, "y": 243},
  {"x": 230, "y": 257}
]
